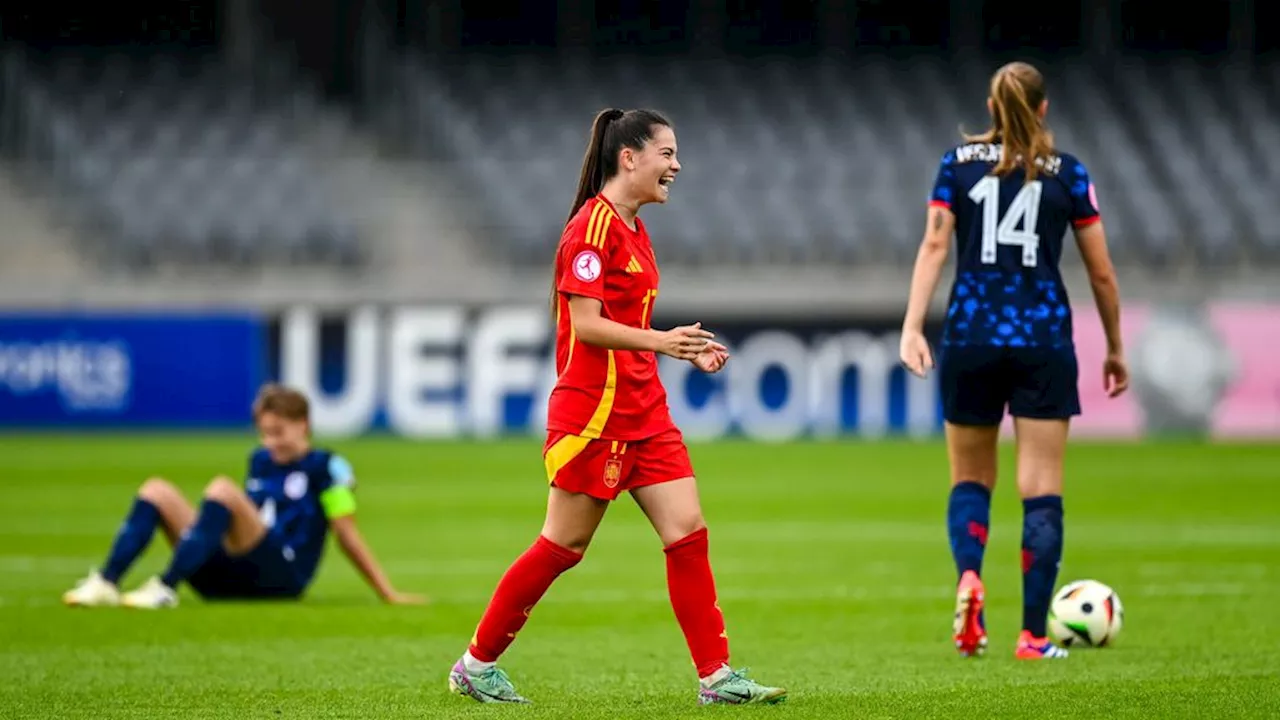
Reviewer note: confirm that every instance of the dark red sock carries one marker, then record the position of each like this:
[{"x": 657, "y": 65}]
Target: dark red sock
[
  {"x": 521, "y": 587},
  {"x": 693, "y": 597}
]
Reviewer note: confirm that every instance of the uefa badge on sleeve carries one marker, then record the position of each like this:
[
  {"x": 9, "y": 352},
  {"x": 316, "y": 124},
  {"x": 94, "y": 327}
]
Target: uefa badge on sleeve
[
  {"x": 587, "y": 266},
  {"x": 612, "y": 472}
]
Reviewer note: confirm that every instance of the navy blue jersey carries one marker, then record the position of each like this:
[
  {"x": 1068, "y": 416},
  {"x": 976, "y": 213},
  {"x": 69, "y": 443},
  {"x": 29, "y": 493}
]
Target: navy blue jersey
[
  {"x": 1008, "y": 290},
  {"x": 291, "y": 500}
]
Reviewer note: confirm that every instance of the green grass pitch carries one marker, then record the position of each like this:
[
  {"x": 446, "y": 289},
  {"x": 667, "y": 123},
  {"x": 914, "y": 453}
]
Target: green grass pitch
[{"x": 831, "y": 560}]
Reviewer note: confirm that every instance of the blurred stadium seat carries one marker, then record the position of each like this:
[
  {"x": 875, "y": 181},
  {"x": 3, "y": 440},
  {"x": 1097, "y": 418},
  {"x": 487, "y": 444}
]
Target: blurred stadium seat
[
  {"x": 183, "y": 161},
  {"x": 799, "y": 161},
  {"x": 198, "y": 159}
]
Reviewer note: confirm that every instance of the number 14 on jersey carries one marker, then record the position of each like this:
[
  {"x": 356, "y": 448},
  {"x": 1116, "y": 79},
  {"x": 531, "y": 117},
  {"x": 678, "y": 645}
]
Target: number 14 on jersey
[{"x": 996, "y": 230}]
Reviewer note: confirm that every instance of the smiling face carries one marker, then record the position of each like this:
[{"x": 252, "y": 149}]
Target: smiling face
[{"x": 652, "y": 169}]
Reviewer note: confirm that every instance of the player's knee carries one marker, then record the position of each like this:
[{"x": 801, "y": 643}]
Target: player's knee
[
  {"x": 577, "y": 545},
  {"x": 156, "y": 490},
  {"x": 682, "y": 527},
  {"x": 1040, "y": 481},
  {"x": 577, "y": 542},
  {"x": 983, "y": 476},
  {"x": 1039, "y": 474},
  {"x": 974, "y": 466},
  {"x": 222, "y": 489}
]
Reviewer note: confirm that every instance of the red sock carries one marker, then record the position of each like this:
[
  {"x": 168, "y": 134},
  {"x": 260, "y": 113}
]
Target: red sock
[
  {"x": 521, "y": 587},
  {"x": 693, "y": 597}
]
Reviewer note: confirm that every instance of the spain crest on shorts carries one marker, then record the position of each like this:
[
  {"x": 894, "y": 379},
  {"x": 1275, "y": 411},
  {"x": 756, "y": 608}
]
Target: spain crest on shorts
[{"x": 612, "y": 472}]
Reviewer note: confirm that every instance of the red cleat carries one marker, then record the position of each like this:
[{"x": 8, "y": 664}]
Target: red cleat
[
  {"x": 970, "y": 634},
  {"x": 1034, "y": 648}
]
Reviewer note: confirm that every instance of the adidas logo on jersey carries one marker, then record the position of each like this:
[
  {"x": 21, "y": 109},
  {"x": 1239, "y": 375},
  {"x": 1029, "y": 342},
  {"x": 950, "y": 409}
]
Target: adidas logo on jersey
[{"x": 634, "y": 267}]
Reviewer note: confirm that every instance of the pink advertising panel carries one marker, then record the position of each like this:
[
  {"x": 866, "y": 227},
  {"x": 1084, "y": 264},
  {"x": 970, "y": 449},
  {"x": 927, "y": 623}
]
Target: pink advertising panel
[
  {"x": 1251, "y": 336},
  {"x": 1220, "y": 364}
]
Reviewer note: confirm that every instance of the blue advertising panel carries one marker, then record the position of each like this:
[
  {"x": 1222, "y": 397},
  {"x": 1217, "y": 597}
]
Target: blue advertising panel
[
  {"x": 443, "y": 371},
  {"x": 448, "y": 371},
  {"x": 168, "y": 370}
]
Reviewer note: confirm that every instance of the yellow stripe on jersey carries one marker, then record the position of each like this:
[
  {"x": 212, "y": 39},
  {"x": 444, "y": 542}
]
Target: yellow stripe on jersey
[
  {"x": 592, "y": 224},
  {"x": 605, "y": 221},
  {"x": 573, "y": 333},
  {"x": 598, "y": 225},
  {"x": 589, "y": 235},
  {"x": 562, "y": 453},
  {"x": 596, "y": 427},
  {"x": 573, "y": 342}
]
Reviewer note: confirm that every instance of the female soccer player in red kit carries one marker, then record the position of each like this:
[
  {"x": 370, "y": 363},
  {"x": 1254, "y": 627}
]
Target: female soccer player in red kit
[{"x": 609, "y": 429}]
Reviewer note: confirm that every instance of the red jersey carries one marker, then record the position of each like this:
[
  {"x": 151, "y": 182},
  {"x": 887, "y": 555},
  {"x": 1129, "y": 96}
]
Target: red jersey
[{"x": 606, "y": 394}]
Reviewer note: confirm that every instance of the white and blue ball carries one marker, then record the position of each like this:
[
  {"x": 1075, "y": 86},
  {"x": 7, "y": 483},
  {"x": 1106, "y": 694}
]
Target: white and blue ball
[{"x": 1085, "y": 612}]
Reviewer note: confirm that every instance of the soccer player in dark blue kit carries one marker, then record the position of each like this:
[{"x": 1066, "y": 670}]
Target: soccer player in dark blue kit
[
  {"x": 1008, "y": 195},
  {"x": 265, "y": 541}
]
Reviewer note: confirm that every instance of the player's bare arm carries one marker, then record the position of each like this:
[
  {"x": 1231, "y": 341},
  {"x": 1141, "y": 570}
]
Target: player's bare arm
[
  {"x": 1092, "y": 240},
  {"x": 930, "y": 259},
  {"x": 591, "y": 327},
  {"x": 357, "y": 551}
]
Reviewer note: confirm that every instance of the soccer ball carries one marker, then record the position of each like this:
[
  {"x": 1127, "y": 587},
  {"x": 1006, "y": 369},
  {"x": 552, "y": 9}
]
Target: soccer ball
[{"x": 1085, "y": 612}]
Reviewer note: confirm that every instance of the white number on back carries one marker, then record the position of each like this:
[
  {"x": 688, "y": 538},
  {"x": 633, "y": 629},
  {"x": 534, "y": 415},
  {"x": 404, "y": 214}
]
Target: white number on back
[{"x": 996, "y": 230}]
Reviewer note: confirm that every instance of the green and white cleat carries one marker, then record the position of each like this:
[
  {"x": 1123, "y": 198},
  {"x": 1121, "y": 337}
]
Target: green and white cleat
[
  {"x": 735, "y": 688},
  {"x": 93, "y": 591},
  {"x": 153, "y": 595},
  {"x": 489, "y": 686}
]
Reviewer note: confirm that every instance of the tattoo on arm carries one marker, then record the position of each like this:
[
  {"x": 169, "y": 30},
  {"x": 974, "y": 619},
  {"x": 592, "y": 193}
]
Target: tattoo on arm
[{"x": 937, "y": 220}]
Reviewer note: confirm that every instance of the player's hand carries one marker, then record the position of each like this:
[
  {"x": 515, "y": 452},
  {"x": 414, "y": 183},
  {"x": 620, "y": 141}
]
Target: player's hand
[
  {"x": 399, "y": 598},
  {"x": 1115, "y": 374},
  {"x": 685, "y": 342},
  {"x": 712, "y": 359},
  {"x": 915, "y": 354}
]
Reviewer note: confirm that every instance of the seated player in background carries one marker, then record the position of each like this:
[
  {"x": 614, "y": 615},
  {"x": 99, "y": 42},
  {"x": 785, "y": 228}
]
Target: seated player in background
[
  {"x": 265, "y": 541},
  {"x": 1008, "y": 196}
]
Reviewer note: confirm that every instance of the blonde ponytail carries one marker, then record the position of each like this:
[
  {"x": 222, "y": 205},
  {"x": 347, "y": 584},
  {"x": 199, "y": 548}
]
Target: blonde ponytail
[{"x": 1017, "y": 92}]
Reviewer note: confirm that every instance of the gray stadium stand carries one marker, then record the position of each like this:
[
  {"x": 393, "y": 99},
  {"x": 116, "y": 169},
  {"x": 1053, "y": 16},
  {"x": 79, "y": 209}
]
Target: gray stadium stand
[
  {"x": 822, "y": 161},
  {"x": 166, "y": 161},
  {"x": 786, "y": 160}
]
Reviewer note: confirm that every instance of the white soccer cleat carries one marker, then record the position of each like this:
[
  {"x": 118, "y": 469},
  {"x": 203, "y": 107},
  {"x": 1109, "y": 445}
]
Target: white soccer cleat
[
  {"x": 153, "y": 595},
  {"x": 92, "y": 591}
]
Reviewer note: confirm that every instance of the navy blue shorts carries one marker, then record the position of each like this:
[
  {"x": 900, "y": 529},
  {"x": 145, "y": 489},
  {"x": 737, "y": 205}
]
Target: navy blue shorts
[
  {"x": 979, "y": 381},
  {"x": 267, "y": 571}
]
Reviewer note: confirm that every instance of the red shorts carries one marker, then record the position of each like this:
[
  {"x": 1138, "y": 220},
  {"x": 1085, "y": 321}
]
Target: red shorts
[{"x": 607, "y": 468}]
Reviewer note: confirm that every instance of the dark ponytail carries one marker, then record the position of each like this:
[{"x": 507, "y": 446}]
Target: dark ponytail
[
  {"x": 612, "y": 130},
  {"x": 592, "y": 177}
]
